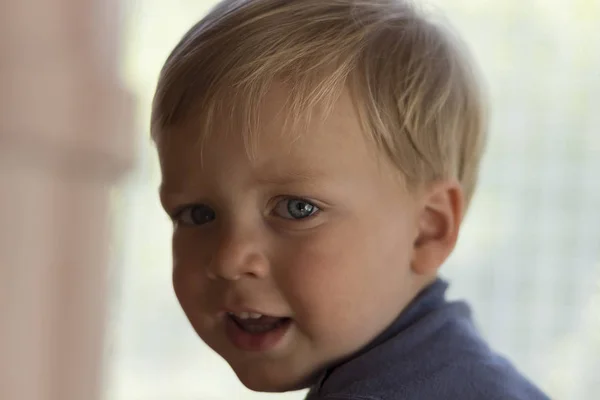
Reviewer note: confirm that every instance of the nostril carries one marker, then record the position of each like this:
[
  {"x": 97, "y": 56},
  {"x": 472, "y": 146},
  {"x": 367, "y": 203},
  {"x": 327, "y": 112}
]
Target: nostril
[
  {"x": 237, "y": 259},
  {"x": 224, "y": 275}
]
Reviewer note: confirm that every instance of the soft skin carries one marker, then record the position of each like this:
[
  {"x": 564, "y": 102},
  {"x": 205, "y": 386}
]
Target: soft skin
[{"x": 320, "y": 228}]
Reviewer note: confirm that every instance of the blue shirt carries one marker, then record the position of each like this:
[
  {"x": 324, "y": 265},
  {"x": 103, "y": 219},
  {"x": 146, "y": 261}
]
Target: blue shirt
[{"x": 431, "y": 352}]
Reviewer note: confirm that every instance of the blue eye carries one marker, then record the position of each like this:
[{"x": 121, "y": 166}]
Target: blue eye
[
  {"x": 195, "y": 215},
  {"x": 295, "y": 209}
]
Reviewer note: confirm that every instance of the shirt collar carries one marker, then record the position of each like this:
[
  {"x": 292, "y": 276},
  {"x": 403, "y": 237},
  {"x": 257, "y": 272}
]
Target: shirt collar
[{"x": 429, "y": 299}]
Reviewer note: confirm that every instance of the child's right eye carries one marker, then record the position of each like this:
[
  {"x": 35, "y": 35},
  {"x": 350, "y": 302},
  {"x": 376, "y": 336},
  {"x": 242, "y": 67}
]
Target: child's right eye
[{"x": 195, "y": 215}]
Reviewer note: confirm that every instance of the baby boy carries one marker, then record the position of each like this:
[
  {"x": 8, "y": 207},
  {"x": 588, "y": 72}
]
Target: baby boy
[{"x": 318, "y": 157}]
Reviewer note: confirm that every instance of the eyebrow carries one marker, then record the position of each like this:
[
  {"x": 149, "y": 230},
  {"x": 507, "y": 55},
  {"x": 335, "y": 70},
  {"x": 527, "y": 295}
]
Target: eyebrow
[
  {"x": 172, "y": 194},
  {"x": 289, "y": 177}
]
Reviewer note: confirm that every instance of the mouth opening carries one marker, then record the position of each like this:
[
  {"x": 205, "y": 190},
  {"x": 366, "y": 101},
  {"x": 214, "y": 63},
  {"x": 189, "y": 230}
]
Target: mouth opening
[{"x": 259, "y": 325}]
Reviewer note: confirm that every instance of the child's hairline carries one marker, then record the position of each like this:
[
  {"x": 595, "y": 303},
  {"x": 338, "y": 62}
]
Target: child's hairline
[{"x": 295, "y": 123}]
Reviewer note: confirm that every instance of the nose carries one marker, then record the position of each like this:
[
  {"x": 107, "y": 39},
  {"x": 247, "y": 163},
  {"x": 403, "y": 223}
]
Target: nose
[{"x": 238, "y": 254}]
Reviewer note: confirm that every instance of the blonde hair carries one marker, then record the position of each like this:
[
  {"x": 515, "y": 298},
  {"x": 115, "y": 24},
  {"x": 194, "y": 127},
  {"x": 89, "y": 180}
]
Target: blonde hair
[{"x": 412, "y": 81}]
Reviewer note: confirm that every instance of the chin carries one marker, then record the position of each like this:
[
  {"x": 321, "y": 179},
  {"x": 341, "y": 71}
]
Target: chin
[
  {"x": 260, "y": 381},
  {"x": 264, "y": 386}
]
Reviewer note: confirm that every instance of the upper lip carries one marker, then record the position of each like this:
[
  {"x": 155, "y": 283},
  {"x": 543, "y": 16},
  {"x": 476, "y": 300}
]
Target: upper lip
[
  {"x": 236, "y": 302},
  {"x": 242, "y": 309}
]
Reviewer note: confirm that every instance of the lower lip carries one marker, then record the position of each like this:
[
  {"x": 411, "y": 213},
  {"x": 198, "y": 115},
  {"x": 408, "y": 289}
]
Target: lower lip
[{"x": 255, "y": 341}]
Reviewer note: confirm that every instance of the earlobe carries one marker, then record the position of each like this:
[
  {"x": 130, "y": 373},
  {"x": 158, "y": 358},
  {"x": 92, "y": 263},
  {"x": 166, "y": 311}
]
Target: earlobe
[{"x": 438, "y": 227}]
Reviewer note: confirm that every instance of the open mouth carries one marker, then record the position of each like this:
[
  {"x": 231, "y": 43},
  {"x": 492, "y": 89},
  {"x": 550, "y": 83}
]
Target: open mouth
[
  {"x": 255, "y": 332},
  {"x": 257, "y": 323}
]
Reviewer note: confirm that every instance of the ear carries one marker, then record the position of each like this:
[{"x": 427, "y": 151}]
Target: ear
[{"x": 439, "y": 222}]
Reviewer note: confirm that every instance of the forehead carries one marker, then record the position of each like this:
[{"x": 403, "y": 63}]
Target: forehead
[{"x": 328, "y": 144}]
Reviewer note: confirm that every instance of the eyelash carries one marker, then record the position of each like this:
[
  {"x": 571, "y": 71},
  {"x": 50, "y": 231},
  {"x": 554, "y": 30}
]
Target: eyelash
[
  {"x": 179, "y": 213},
  {"x": 285, "y": 202}
]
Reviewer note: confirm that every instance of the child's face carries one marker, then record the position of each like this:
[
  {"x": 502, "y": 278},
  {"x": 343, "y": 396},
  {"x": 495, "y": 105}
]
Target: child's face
[{"x": 315, "y": 234}]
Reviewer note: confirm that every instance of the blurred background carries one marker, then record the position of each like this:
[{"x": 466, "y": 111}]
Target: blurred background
[{"x": 529, "y": 257}]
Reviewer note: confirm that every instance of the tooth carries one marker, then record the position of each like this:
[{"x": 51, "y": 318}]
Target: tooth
[
  {"x": 255, "y": 315},
  {"x": 244, "y": 315}
]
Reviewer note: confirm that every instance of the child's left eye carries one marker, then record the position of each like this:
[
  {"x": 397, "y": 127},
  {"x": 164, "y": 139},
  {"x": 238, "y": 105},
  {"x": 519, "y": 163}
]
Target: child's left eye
[{"x": 295, "y": 209}]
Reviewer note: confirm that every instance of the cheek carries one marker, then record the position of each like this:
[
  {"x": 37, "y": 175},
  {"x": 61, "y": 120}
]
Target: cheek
[
  {"x": 324, "y": 274},
  {"x": 189, "y": 276},
  {"x": 348, "y": 256},
  {"x": 346, "y": 279},
  {"x": 191, "y": 251}
]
